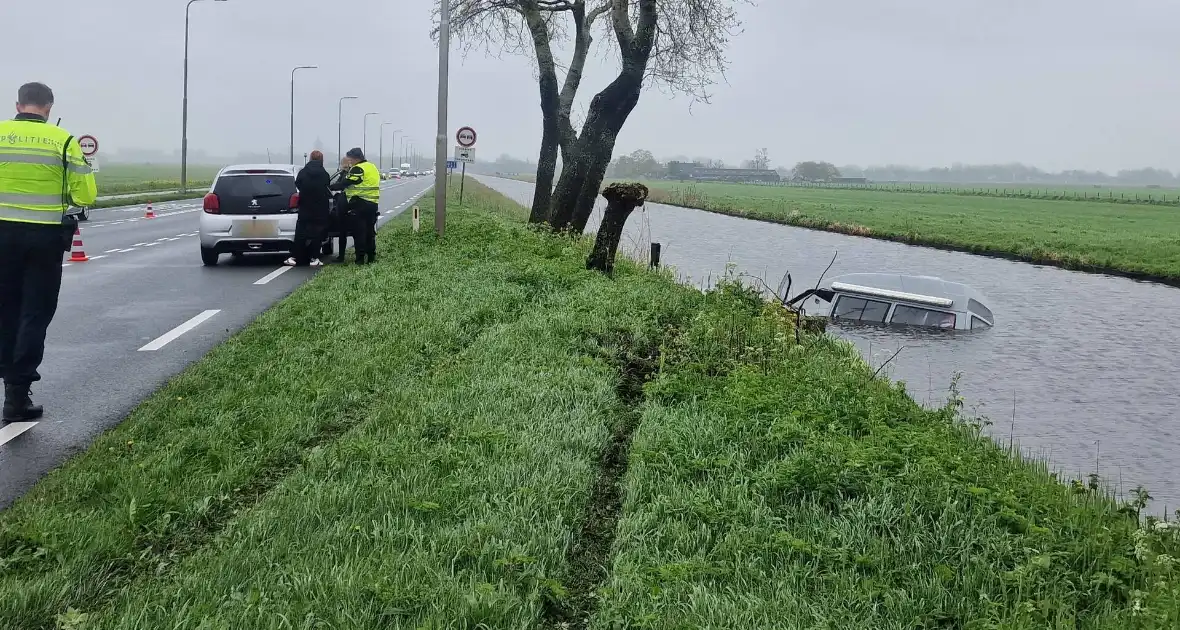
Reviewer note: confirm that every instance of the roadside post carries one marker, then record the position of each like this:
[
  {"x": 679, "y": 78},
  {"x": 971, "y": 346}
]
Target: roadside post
[
  {"x": 464, "y": 152},
  {"x": 417, "y": 219}
]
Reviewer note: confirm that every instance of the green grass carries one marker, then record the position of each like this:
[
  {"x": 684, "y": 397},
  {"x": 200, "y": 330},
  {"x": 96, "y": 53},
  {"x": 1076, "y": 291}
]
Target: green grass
[
  {"x": 117, "y": 179},
  {"x": 143, "y": 199},
  {"x": 439, "y": 440},
  {"x": 1096, "y": 236},
  {"x": 1058, "y": 192}
]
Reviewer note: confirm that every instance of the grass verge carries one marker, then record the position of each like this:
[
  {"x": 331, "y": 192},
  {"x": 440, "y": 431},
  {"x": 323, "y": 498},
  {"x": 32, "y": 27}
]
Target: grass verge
[
  {"x": 154, "y": 198},
  {"x": 478, "y": 432}
]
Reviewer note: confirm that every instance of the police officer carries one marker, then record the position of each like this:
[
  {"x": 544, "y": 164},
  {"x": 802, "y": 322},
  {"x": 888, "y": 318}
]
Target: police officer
[
  {"x": 42, "y": 173},
  {"x": 362, "y": 184}
]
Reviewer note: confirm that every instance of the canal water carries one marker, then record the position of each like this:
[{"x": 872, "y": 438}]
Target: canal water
[{"x": 1080, "y": 368}]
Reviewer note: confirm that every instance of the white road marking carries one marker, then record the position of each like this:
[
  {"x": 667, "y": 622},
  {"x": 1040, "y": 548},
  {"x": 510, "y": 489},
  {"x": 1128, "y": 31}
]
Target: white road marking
[
  {"x": 173, "y": 334},
  {"x": 9, "y": 432},
  {"x": 272, "y": 275},
  {"x": 98, "y": 256},
  {"x": 112, "y": 251},
  {"x": 150, "y": 244},
  {"x": 139, "y": 244},
  {"x": 124, "y": 251}
]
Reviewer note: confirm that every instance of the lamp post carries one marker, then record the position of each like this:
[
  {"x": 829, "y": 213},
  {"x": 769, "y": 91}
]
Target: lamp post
[
  {"x": 365, "y": 136},
  {"x": 440, "y": 139},
  {"x": 401, "y": 154},
  {"x": 381, "y": 144},
  {"x": 184, "y": 105},
  {"x": 293, "y": 108},
  {"x": 340, "y": 125}
]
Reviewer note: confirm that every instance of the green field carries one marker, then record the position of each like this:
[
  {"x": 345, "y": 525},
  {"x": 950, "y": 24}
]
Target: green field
[
  {"x": 480, "y": 433},
  {"x": 1139, "y": 240},
  {"x": 116, "y": 179},
  {"x": 1057, "y": 192}
]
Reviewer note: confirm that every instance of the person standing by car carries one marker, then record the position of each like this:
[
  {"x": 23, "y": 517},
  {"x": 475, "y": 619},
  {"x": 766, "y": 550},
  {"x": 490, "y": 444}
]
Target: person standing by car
[
  {"x": 42, "y": 174},
  {"x": 363, "y": 186},
  {"x": 312, "y": 222}
]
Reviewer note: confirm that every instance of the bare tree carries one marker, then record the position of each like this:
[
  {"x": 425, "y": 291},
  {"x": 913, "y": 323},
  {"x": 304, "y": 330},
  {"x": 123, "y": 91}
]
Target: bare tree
[{"x": 676, "y": 45}]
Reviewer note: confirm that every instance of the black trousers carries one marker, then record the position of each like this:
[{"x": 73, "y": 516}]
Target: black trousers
[
  {"x": 30, "y": 280},
  {"x": 309, "y": 237},
  {"x": 364, "y": 228}
]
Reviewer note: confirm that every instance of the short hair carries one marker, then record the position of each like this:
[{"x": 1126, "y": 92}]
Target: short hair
[
  {"x": 317, "y": 155},
  {"x": 35, "y": 94},
  {"x": 355, "y": 153}
]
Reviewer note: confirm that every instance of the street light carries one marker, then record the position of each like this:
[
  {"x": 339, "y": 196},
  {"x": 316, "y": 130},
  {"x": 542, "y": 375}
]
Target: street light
[
  {"x": 381, "y": 144},
  {"x": 401, "y": 154},
  {"x": 184, "y": 106},
  {"x": 293, "y": 107},
  {"x": 440, "y": 139},
  {"x": 365, "y": 137},
  {"x": 340, "y": 124}
]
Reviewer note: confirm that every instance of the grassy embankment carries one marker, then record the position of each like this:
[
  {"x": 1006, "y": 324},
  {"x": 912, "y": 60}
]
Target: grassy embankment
[
  {"x": 434, "y": 441},
  {"x": 1137, "y": 241},
  {"x": 119, "y": 179}
]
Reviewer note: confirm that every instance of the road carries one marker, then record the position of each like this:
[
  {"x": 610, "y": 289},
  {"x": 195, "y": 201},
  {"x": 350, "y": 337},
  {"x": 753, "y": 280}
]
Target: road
[{"x": 137, "y": 313}]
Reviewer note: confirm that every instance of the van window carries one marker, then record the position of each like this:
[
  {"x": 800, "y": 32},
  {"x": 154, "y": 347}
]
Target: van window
[
  {"x": 860, "y": 309},
  {"x": 979, "y": 323},
  {"x": 982, "y": 311},
  {"x": 914, "y": 316}
]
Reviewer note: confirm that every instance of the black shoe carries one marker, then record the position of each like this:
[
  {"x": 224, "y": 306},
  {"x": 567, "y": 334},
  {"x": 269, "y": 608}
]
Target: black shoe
[{"x": 18, "y": 406}]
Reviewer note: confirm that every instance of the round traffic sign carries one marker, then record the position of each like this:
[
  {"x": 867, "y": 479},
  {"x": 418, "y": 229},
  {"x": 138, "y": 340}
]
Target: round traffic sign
[
  {"x": 465, "y": 137},
  {"x": 89, "y": 145}
]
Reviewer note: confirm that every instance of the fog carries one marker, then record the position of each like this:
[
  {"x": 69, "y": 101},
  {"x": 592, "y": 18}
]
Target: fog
[{"x": 1061, "y": 85}]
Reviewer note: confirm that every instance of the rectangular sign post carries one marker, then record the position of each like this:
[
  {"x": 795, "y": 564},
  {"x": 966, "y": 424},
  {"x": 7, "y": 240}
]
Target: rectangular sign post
[{"x": 463, "y": 154}]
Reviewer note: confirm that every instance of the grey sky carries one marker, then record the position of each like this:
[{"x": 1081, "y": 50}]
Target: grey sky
[{"x": 1055, "y": 83}]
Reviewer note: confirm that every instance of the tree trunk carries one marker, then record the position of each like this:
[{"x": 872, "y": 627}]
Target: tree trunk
[
  {"x": 621, "y": 200},
  {"x": 581, "y": 178},
  {"x": 546, "y": 163}
]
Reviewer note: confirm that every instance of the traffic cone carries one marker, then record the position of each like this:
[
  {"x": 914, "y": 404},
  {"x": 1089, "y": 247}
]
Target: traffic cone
[
  {"x": 77, "y": 254},
  {"x": 150, "y": 214}
]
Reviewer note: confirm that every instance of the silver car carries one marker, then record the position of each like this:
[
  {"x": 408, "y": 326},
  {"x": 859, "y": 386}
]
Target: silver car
[{"x": 249, "y": 208}]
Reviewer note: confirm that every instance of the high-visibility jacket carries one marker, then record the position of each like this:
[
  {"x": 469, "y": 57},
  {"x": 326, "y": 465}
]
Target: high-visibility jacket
[
  {"x": 33, "y": 186},
  {"x": 367, "y": 184}
]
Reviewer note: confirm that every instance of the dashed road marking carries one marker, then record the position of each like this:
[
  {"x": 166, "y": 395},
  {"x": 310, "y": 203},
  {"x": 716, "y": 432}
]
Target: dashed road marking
[
  {"x": 272, "y": 275},
  {"x": 11, "y": 431},
  {"x": 175, "y": 333}
]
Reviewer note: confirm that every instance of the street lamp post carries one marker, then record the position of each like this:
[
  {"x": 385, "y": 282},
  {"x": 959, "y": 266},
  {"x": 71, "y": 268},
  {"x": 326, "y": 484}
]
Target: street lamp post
[
  {"x": 365, "y": 136},
  {"x": 184, "y": 105},
  {"x": 293, "y": 108},
  {"x": 340, "y": 125},
  {"x": 381, "y": 144},
  {"x": 440, "y": 139}
]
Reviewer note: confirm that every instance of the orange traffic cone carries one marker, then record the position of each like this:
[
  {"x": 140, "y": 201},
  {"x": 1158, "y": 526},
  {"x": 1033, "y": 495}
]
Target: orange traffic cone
[
  {"x": 77, "y": 254},
  {"x": 150, "y": 214}
]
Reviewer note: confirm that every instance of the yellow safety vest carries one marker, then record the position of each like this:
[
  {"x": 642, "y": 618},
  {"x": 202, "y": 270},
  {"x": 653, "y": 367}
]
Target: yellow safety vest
[
  {"x": 369, "y": 187},
  {"x": 32, "y": 186}
]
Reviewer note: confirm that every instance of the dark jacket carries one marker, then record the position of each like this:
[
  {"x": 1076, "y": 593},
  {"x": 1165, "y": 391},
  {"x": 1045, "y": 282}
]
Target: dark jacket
[{"x": 312, "y": 183}]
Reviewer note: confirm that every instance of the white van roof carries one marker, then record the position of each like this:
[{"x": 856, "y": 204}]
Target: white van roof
[{"x": 929, "y": 286}]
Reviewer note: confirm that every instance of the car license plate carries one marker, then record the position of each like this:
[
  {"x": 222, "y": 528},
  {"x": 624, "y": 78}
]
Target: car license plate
[{"x": 257, "y": 229}]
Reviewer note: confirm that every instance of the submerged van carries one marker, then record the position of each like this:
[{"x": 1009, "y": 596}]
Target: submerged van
[{"x": 889, "y": 298}]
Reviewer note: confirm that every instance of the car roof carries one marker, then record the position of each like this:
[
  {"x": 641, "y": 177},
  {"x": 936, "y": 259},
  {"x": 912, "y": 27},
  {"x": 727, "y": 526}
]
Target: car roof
[
  {"x": 290, "y": 169},
  {"x": 958, "y": 292}
]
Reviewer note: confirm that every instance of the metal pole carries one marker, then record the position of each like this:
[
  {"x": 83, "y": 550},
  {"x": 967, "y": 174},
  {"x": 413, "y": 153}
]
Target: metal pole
[
  {"x": 340, "y": 126},
  {"x": 293, "y": 108},
  {"x": 393, "y": 147},
  {"x": 462, "y": 180},
  {"x": 365, "y": 134},
  {"x": 184, "y": 105},
  {"x": 440, "y": 139}
]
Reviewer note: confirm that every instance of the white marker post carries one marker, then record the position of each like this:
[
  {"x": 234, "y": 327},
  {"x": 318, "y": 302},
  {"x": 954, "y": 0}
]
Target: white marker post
[
  {"x": 417, "y": 218},
  {"x": 464, "y": 153}
]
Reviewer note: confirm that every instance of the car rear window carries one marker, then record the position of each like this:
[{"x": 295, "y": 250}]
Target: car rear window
[{"x": 247, "y": 193}]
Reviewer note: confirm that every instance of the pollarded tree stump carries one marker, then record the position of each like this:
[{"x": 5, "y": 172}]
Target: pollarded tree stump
[{"x": 621, "y": 200}]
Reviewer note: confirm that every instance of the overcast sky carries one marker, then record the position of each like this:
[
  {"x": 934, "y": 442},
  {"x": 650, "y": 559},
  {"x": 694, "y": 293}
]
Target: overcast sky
[{"x": 1055, "y": 83}]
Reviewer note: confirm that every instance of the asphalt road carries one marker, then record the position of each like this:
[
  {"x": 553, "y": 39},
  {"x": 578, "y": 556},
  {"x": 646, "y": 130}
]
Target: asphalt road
[{"x": 137, "y": 313}]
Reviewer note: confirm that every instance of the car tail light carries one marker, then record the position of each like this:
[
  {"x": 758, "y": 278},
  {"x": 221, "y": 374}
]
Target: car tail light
[
  {"x": 295, "y": 200},
  {"x": 212, "y": 204}
]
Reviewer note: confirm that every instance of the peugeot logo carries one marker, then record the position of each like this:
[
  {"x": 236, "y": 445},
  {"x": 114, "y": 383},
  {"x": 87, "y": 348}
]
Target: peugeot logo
[{"x": 253, "y": 203}]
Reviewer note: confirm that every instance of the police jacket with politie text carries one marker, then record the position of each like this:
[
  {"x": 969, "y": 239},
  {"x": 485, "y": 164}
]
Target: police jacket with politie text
[
  {"x": 34, "y": 188},
  {"x": 355, "y": 180}
]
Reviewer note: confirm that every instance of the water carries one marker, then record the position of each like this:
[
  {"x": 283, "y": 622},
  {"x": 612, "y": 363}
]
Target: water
[{"x": 1088, "y": 361}]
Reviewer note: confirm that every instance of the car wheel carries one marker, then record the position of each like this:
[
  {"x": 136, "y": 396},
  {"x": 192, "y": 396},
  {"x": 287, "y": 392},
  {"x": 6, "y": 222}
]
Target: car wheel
[{"x": 209, "y": 256}]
